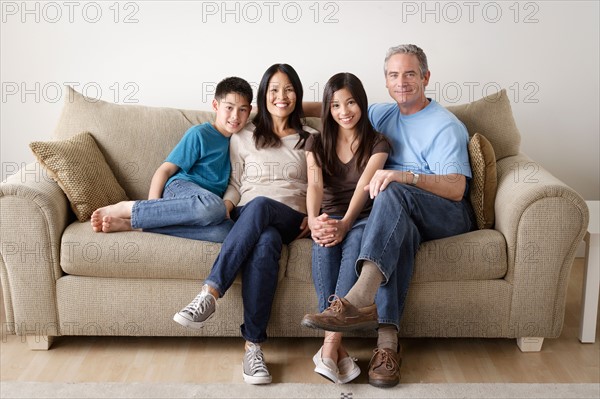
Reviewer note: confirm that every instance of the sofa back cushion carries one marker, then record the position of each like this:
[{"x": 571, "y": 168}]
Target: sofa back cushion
[
  {"x": 492, "y": 117},
  {"x": 134, "y": 139}
]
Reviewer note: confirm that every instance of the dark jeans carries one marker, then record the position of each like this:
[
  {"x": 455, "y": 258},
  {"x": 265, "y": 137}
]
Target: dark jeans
[{"x": 254, "y": 246}]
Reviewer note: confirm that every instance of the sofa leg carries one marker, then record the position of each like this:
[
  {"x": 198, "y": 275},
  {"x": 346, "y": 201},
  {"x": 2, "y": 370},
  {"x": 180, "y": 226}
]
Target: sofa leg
[
  {"x": 39, "y": 342},
  {"x": 530, "y": 344}
]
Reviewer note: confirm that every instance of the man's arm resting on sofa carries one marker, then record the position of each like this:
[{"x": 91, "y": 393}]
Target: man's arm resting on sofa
[{"x": 451, "y": 186}]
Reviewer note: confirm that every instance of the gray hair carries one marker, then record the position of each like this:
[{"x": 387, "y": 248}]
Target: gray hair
[{"x": 407, "y": 49}]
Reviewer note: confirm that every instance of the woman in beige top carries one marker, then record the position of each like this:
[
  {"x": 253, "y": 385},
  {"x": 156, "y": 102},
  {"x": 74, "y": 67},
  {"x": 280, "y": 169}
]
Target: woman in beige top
[{"x": 266, "y": 198}]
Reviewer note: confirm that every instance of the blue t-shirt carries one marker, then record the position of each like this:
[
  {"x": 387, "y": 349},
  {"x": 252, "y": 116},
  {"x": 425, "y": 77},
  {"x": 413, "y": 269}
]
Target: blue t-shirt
[
  {"x": 202, "y": 155},
  {"x": 431, "y": 141}
]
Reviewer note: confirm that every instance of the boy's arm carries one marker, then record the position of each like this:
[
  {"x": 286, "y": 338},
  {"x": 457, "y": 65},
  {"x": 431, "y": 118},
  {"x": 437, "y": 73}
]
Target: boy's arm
[
  {"x": 312, "y": 108},
  {"x": 159, "y": 179}
]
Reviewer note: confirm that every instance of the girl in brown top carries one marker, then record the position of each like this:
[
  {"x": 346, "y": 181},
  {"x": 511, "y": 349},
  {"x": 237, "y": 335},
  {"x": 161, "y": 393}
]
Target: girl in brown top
[{"x": 341, "y": 162}]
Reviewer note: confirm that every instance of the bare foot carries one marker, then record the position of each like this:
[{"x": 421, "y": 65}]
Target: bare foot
[
  {"x": 96, "y": 221},
  {"x": 120, "y": 210},
  {"x": 111, "y": 224}
]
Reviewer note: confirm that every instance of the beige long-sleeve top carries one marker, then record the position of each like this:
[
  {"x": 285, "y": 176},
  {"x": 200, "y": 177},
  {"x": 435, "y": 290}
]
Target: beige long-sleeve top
[{"x": 277, "y": 173}]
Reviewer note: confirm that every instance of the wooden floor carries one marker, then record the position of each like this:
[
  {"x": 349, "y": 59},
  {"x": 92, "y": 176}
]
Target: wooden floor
[{"x": 197, "y": 360}]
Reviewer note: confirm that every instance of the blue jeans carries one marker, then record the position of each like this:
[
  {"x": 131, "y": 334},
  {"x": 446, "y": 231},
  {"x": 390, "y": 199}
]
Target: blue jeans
[
  {"x": 253, "y": 247},
  {"x": 185, "y": 210},
  {"x": 402, "y": 217},
  {"x": 333, "y": 268}
]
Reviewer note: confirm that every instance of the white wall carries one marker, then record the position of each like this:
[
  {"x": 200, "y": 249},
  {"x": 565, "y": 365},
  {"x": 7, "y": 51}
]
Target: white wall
[{"x": 545, "y": 53}]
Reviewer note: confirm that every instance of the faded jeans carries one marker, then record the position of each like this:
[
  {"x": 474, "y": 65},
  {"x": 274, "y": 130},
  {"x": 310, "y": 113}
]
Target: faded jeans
[
  {"x": 333, "y": 268},
  {"x": 185, "y": 210},
  {"x": 403, "y": 217}
]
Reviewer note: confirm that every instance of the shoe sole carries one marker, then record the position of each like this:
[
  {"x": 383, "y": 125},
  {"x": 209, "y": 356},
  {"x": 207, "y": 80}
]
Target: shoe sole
[
  {"x": 196, "y": 325},
  {"x": 249, "y": 379},
  {"x": 368, "y": 325},
  {"x": 383, "y": 384},
  {"x": 344, "y": 379},
  {"x": 324, "y": 372}
]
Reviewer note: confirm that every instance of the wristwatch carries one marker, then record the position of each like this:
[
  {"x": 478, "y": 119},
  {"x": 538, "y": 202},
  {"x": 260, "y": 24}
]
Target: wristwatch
[{"x": 415, "y": 179}]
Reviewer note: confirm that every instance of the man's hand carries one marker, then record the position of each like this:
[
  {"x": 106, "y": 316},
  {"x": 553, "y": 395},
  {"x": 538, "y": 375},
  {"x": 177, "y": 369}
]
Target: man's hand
[
  {"x": 451, "y": 186},
  {"x": 382, "y": 178}
]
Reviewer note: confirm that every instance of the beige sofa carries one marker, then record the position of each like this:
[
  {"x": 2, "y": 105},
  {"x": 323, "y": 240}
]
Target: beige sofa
[{"x": 59, "y": 278}]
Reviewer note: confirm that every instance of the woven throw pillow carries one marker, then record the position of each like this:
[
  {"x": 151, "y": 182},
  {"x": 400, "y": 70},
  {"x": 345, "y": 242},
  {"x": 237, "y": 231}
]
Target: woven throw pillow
[
  {"x": 81, "y": 171},
  {"x": 482, "y": 191}
]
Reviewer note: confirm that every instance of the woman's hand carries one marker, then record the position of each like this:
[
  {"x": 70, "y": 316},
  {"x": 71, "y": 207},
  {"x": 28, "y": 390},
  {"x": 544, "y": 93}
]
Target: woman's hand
[
  {"x": 228, "y": 208},
  {"x": 304, "y": 228},
  {"x": 339, "y": 234}
]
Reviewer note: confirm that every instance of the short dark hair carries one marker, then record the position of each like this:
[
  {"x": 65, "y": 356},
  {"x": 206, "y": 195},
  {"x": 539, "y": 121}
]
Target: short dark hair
[
  {"x": 236, "y": 85},
  {"x": 264, "y": 135}
]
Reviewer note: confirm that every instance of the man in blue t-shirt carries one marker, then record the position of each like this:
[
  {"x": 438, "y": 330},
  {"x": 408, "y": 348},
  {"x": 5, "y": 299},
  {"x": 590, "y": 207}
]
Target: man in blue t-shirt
[
  {"x": 419, "y": 196},
  {"x": 185, "y": 196}
]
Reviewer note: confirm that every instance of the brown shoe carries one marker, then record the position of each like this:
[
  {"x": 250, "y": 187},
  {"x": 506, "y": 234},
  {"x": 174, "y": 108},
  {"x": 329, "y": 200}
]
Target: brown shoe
[
  {"x": 384, "y": 368},
  {"x": 342, "y": 316}
]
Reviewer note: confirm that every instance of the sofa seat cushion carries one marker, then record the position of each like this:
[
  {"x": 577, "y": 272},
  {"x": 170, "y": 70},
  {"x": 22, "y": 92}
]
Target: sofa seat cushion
[
  {"x": 478, "y": 255},
  {"x": 138, "y": 255}
]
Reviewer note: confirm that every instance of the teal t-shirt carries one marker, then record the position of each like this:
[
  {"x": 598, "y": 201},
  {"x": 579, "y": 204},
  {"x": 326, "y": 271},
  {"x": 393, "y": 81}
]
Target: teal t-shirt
[{"x": 202, "y": 156}]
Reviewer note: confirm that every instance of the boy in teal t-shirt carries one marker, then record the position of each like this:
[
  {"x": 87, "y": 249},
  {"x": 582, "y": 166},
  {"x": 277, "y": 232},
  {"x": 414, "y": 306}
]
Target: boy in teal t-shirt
[{"x": 185, "y": 197}]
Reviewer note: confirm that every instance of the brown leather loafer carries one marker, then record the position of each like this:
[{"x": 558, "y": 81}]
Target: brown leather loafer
[
  {"x": 342, "y": 316},
  {"x": 384, "y": 368}
]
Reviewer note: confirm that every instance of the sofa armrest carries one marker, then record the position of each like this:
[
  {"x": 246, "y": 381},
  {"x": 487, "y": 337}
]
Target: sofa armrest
[
  {"x": 543, "y": 221},
  {"x": 33, "y": 216}
]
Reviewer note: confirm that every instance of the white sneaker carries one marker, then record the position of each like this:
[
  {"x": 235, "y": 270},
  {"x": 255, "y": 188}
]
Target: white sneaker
[
  {"x": 325, "y": 366},
  {"x": 348, "y": 370},
  {"x": 200, "y": 310},
  {"x": 254, "y": 366}
]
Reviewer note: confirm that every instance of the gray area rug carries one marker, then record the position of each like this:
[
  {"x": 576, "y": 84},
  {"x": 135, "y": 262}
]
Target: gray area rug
[{"x": 10, "y": 389}]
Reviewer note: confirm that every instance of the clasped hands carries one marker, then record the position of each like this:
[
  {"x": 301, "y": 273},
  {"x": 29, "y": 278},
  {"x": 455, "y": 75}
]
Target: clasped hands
[{"x": 327, "y": 231}]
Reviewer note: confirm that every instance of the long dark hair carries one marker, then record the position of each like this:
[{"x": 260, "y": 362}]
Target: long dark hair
[
  {"x": 264, "y": 135},
  {"x": 325, "y": 143}
]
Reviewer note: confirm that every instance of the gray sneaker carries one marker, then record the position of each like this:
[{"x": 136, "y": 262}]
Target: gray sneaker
[
  {"x": 200, "y": 310},
  {"x": 254, "y": 366}
]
